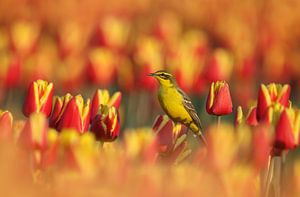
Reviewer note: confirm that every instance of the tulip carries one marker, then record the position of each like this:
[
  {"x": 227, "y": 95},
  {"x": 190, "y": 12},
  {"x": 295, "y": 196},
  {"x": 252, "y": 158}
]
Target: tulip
[
  {"x": 219, "y": 100},
  {"x": 113, "y": 32},
  {"x": 220, "y": 66},
  {"x": 171, "y": 139},
  {"x": 59, "y": 107},
  {"x": 239, "y": 116},
  {"x": 50, "y": 156},
  {"x": 6, "y": 124},
  {"x": 261, "y": 148},
  {"x": 102, "y": 97},
  {"x": 148, "y": 55},
  {"x": 287, "y": 129},
  {"x": 39, "y": 98},
  {"x": 34, "y": 133},
  {"x": 141, "y": 143},
  {"x": 106, "y": 124},
  {"x": 24, "y": 36},
  {"x": 271, "y": 94},
  {"x": 251, "y": 117},
  {"x": 76, "y": 115},
  {"x": 100, "y": 60}
]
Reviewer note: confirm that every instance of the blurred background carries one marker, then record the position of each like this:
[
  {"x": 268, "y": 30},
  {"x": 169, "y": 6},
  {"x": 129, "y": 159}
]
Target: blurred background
[{"x": 81, "y": 46}]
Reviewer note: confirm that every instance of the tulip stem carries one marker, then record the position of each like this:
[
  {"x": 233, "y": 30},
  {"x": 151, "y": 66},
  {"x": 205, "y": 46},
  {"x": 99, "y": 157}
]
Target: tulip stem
[
  {"x": 269, "y": 176},
  {"x": 219, "y": 121}
]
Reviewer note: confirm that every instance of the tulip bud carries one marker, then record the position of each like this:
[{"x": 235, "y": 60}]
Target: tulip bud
[
  {"x": 59, "y": 107},
  {"x": 287, "y": 129},
  {"x": 251, "y": 117},
  {"x": 271, "y": 94},
  {"x": 219, "y": 100},
  {"x": 102, "y": 97},
  {"x": 6, "y": 124},
  {"x": 76, "y": 115},
  {"x": 39, "y": 98},
  {"x": 34, "y": 133},
  {"x": 106, "y": 124},
  {"x": 239, "y": 116}
]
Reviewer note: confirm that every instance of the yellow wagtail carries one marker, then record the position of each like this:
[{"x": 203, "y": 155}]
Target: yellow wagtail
[{"x": 177, "y": 104}]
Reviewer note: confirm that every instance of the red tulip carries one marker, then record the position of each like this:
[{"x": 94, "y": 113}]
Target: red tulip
[
  {"x": 219, "y": 100},
  {"x": 220, "y": 66},
  {"x": 39, "y": 98},
  {"x": 251, "y": 118},
  {"x": 101, "y": 68},
  {"x": 102, "y": 97},
  {"x": 76, "y": 115},
  {"x": 287, "y": 129},
  {"x": 261, "y": 148},
  {"x": 59, "y": 107},
  {"x": 34, "y": 133},
  {"x": 6, "y": 124},
  {"x": 106, "y": 124},
  {"x": 171, "y": 139},
  {"x": 270, "y": 95}
]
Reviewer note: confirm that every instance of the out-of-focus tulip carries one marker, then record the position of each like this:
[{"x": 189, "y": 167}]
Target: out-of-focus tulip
[
  {"x": 287, "y": 129},
  {"x": 270, "y": 95},
  {"x": 102, "y": 97},
  {"x": 24, "y": 36},
  {"x": 6, "y": 125},
  {"x": 34, "y": 133},
  {"x": 191, "y": 53},
  {"x": 71, "y": 38},
  {"x": 219, "y": 100},
  {"x": 50, "y": 156},
  {"x": 76, "y": 115},
  {"x": 140, "y": 143},
  {"x": 10, "y": 71},
  {"x": 220, "y": 66},
  {"x": 222, "y": 147},
  {"x": 171, "y": 139},
  {"x": 148, "y": 55},
  {"x": 79, "y": 151},
  {"x": 251, "y": 117},
  {"x": 113, "y": 32},
  {"x": 59, "y": 107},
  {"x": 239, "y": 117},
  {"x": 101, "y": 67},
  {"x": 261, "y": 145},
  {"x": 39, "y": 98},
  {"x": 168, "y": 27},
  {"x": 106, "y": 124}
]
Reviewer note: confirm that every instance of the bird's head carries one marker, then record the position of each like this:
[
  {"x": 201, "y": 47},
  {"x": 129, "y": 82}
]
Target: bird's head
[{"x": 164, "y": 78}]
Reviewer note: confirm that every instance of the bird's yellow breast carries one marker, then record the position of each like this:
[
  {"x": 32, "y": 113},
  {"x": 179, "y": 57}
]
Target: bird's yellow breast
[{"x": 171, "y": 101}]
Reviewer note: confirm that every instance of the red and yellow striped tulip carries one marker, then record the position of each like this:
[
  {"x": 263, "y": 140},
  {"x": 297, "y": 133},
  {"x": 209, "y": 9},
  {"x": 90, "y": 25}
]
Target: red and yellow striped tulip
[
  {"x": 39, "y": 98},
  {"x": 219, "y": 100},
  {"x": 270, "y": 95},
  {"x": 76, "y": 115},
  {"x": 102, "y": 97},
  {"x": 106, "y": 124},
  {"x": 35, "y": 131}
]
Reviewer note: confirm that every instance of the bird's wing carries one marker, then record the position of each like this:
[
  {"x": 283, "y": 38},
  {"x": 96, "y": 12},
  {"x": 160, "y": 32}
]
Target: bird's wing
[{"x": 188, "y": 105}]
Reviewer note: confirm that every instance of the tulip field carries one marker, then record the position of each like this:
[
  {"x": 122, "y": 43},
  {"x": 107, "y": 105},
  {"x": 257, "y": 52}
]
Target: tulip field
[{"x": 79, "y": 115}]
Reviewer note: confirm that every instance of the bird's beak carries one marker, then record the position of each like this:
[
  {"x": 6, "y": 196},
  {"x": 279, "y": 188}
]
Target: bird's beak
[{"x": 151, "y": 74}]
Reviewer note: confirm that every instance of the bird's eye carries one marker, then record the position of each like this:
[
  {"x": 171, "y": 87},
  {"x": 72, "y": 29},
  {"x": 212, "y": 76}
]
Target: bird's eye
[{"x": 164, "y": 76}]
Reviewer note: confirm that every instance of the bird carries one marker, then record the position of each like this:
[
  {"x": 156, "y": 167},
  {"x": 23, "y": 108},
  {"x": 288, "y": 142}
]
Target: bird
[{"x": 177, "y": 104}]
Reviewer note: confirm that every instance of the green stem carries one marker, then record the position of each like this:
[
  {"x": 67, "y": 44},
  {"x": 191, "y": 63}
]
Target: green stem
[{"x": 219, "y": 121}]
